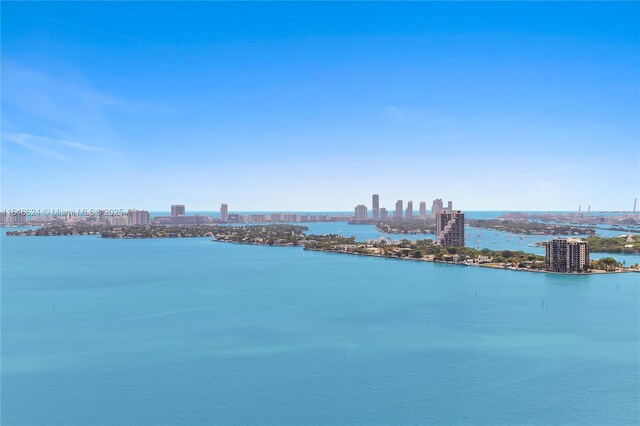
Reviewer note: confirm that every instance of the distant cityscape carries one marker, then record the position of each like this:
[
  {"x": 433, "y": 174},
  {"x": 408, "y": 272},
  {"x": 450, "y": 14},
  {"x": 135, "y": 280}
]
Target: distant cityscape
[
  {"x": 563, "y": 255},
  {"x": 178, "y": 215},
  {"x": 449, "y": 223}
]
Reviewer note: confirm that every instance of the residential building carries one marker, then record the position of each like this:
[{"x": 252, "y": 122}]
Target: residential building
[
  {"x": 117, "y": 220},
  {"x": 361, "y": 212},
  {"x": 199, "y": 219},
  {"x": 375, "y": 206},
  {"x": 398, "y": 212},
  {"x": 437, "y": 206},
  {"x": 290, "y": 217},
  {"x": 567, "y": 255},
  {"x": 256, "y": 218},
  {"x": 19, "y": 218},
  {"x": 177, "y": 210},
  {"x": 409, "y": 214},
  {"x": 384, "y": 214},
  {"x": 138, "y": 217},
  {"x": 423, "y": 209},
  {"x": 450, "y": 229},
  {"x": 224, "y": 213},
  {"x": 14, "y": 218}
]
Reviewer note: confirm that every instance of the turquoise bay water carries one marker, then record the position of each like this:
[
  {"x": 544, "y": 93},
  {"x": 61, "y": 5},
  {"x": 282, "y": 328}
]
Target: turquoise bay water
[{"x": 187, "y": 331}]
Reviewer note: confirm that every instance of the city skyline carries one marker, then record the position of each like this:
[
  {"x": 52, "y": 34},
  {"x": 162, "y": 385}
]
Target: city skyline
[{"x": 304, "y": 106}]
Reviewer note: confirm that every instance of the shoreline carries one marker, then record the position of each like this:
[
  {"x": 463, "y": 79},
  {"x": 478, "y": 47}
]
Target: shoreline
[
  {"x": 486, "y": 266},
  {"x": 98, "y": 235},
  {"x": 294, "y": 236}
]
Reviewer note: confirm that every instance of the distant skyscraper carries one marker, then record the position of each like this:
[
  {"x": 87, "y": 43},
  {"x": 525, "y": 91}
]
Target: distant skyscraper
[
  {"x": 449, "y": 207},
  {"x": 567, "y": 255},
  {"x": 384, "y": 215},
  {"x": 450, "y": 229},
  {"x": 138, "y": 217},
  {"x": 177, "y": 210},
  {"x": 409, "y": 210},
  {"x": 437, "y": 206},
  {"x": 423, "y": 209},
  {"x": 224, "y": 213},
  {"x": 375, "y": 206},
  {"x": 361, "y": 212},
  {"x": 16, "y": 218},
  {"x": 398, "y": 213}
]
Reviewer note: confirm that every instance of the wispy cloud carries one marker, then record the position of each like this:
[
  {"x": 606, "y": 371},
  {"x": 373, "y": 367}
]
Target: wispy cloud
[
  {"x": 45, "y": 109},
  {"x": 46, "y": 146}
]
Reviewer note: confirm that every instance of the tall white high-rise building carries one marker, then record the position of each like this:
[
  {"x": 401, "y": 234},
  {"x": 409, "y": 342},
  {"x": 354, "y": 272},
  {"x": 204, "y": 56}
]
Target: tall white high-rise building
[
  {"x": 409, "y": 214},
  {"x": 375, "y": 206},
  {"x": 423, "y": 209},
  {"x": 224, "y": 213},
  {"x": 398, "y": 213},
  {"x": 361, "y": 212},
  {"x": 437, "y": 206}
]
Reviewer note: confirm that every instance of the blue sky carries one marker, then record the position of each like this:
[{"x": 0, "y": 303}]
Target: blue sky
[{"x": 315, "y": 106}]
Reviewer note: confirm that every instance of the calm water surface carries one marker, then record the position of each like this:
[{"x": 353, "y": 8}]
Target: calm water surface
[{"x": 187, "y": 331}]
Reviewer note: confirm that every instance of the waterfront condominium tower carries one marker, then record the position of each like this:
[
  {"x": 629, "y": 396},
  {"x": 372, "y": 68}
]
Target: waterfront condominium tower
[
  {"x": 567, "y": 255},
  {"x": 137, "y": 217},
  {"x": 450, "y": 229},
  {"x": 423, "y": 209},
  {"x": 361, "y": 212},
  {"x": 375, "y": 206},
  {"x": 384, "y": 215},
  {"x": 409, "y": 210},
  {"x": 224, "y": 213},
  {"x": 398, "y": 213},
  {"x": 437, "y": 206},
  {"x": 177, "y": 210}
]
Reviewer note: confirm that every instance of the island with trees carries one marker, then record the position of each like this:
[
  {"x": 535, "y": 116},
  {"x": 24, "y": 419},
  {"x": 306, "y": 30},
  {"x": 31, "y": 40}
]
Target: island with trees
[
  {"x": 583, "y": 218},
  {"x": 294, "y": 236},
  {"x": 525, "y": 227},
  {"x": 267, "y": 234},
  {"x": 421, "y": 226}
]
